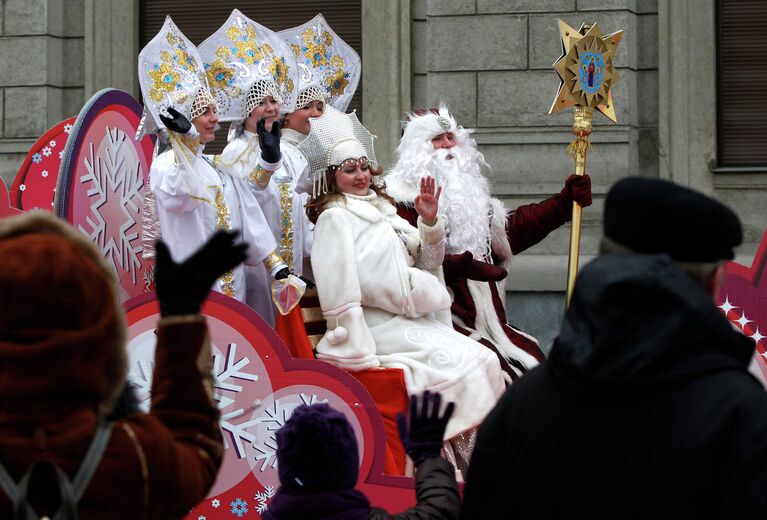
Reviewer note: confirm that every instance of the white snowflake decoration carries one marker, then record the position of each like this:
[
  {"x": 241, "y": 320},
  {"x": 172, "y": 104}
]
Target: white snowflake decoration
[
  {"x": 47, "y": 151},
  {"x": 216, "y": 503},
  {"x": 262, "y": 497},
  {"x": 44, "y": 173},
  {"x": 222, "y": 382},
  {"x": 115, "y": 187},
  {"x": 22, "y": 187},
  {"x": 67, "y": 128},
  {"x": 275, "y": 418},
  {"x": 52, "y": 143}
]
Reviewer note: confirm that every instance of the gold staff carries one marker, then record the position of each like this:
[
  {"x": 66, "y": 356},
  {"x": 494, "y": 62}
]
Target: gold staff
[{"x": 587, "y": 73}]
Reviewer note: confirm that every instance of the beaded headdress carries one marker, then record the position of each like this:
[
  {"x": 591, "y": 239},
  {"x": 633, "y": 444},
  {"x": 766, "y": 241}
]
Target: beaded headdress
[
  {"x": 245, "y": 62},
  {"x": 334, "y": 138},
  {"x": 171, "y": 74},
  {"x": 329, "y": 69}
]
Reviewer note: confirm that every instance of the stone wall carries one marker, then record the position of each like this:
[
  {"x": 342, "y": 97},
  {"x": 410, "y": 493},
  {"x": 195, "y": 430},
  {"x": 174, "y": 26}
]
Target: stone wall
[{"x": 41, "y": 55}]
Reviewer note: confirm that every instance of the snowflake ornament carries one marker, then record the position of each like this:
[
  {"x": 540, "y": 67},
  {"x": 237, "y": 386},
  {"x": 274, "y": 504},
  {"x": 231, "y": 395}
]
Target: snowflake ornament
[
  {"x": 52, "y": 143},
  {"x": 239, "y": 507},
  {"x": 67, "y": 128},
  {"x": 47, "y": 151},
  {"x": 22, "y": 187},
  {"x": 275, "y": 418},
  {"x": 216, "y": 503},
  {"x": 262, "y": 497},
  {"x": 114, "y": 183},
  {"x": 201, "y": 517},
  {"x": 37, "y": 158},
  {"x": 44, "y": 173}
]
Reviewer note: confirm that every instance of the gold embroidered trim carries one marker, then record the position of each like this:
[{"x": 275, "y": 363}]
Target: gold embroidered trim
[
  {"x": 286, "y": 223},
  {"x": 224, "y": 222},
  {"x": 273, "y": 260},
  {"x": 260, "y": 176}
]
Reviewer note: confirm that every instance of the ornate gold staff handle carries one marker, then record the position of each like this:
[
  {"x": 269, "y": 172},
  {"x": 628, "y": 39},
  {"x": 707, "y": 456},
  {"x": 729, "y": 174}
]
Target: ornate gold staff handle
[
  {"x": 577, "y": 149},
  {"x": 587, "y": 73}
]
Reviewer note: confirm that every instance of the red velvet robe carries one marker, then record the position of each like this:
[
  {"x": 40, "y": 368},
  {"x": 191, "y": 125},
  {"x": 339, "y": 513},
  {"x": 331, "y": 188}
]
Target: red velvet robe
[{"x": 525, "y": 227}]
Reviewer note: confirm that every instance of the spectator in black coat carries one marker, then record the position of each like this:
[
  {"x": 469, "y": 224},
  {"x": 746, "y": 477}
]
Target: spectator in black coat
[{"x": 645, "y": 408}]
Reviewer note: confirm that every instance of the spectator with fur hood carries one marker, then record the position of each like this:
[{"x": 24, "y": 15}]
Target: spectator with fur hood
[{"x": 63, "y": 364}]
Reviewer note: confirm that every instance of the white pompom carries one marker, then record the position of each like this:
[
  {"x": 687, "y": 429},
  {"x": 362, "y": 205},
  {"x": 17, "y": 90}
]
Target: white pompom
[{"x": 338, "y": 335}]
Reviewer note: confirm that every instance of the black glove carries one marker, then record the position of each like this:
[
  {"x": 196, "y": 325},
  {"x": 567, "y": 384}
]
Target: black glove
[
  {"x": 286, "y": 271},
  {"x": 177, "y": 122},
  {"x": 182, "y": 288},
  {"x": 427, "y": 428},
  {"x": 269, "y": 141}
]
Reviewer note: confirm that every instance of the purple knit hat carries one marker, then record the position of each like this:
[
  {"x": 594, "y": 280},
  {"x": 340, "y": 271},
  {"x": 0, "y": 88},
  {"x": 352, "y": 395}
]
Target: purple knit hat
[{"x": 317, "y": 451}]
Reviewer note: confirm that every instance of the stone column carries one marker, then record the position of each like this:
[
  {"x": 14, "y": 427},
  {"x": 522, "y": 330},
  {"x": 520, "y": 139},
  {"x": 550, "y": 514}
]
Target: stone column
[
  {"x": 385, "y": 71},
  {"x": 111, "y": 46},
  {"x": 41, "y": 54}
]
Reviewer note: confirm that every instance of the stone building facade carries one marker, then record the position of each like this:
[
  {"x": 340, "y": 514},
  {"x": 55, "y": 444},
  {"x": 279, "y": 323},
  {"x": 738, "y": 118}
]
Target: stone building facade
[{"x": 490, "y": 60}]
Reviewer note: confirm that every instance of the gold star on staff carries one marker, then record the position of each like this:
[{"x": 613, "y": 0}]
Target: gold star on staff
[{"x": 586, "y": 69}]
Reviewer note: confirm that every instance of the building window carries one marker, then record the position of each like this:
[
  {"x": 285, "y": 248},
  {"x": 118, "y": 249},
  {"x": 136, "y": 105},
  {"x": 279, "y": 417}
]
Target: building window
[
  {"x": 741, "y": 84},
  {"x": 198, "y": 19}
]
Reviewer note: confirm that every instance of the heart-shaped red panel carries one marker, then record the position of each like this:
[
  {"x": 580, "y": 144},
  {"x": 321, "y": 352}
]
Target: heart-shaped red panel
[
  {"x": 743, "y": 300},
  {"x": 258, "y": 384}
]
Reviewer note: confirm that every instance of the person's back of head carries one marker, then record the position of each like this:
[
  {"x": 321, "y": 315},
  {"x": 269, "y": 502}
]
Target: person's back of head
[
  {"x": 318, "y": 466},
  {"x": 317, "y": 451},
  {"x": 652, "y": 216},
  {"x": 62, "y": 330}
]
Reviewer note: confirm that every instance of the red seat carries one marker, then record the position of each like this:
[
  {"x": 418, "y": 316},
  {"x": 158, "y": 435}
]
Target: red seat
[{"x": 385, "y": 385}]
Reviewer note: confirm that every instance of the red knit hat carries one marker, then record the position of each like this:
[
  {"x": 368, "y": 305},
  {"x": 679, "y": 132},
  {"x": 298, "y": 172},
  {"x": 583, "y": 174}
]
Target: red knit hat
[{"x": 62, "y": 329}]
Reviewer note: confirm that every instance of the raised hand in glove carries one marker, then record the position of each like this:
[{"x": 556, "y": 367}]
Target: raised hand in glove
[
  {"x": 465, "y": 266},
  {"x": 177, "y": 122},
  {"x": 183, "y": 287},
  {"x": 422, "y": 438},
  {"x": 269, "y": 141},
  {"x": 578, "y": 188},
  {"x": 286, "y": 271}
]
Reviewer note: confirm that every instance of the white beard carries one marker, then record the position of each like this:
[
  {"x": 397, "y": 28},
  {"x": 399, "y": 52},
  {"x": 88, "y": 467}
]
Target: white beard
[{"x": 465, "y": 203}]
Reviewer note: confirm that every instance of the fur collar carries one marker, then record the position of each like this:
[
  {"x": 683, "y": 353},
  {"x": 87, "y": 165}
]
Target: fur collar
[{"x": 401, "y": 191}]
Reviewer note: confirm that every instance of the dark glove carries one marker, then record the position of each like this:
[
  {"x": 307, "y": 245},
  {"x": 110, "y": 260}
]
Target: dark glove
[
  {"x": 286, "y": 271},
  {"x": 464, "y": 266},
  {"x": 182, "y": 288},
  {"x": 269, "y": 141},
  {"x": 424, "y": 439},
  {"x": 177, "y": 122},
  {"x": 578, "y": 188}
]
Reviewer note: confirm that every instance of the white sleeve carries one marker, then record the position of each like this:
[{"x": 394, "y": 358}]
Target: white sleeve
[
  {"x": 348, "y": 342},
  {"x": 432, "y": 250},
  {"x": 176, "y": 190},
  {"x": 255, "y": 230}
]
